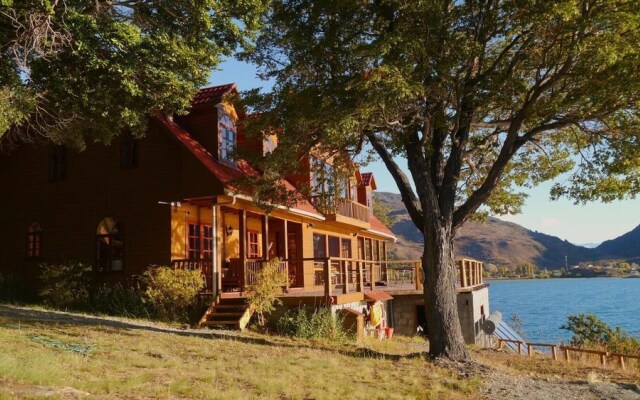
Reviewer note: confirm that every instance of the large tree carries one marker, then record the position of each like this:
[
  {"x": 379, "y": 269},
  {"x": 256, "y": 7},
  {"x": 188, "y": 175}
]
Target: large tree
[
  {"x": 480, "y": 97},
  {"x": 72, "y": 69}
]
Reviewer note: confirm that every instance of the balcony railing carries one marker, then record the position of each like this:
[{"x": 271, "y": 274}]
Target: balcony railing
[{"x": 329, "y": 205}]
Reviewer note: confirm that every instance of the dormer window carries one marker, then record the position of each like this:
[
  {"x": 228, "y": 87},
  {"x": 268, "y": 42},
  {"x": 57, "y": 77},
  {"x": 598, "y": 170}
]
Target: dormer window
[{"x": 228, "y": 136}]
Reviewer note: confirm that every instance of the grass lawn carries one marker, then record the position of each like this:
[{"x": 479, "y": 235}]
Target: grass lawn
[{"x": 134, "y": 362}]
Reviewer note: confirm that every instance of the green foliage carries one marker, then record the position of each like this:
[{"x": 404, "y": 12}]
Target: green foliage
[
  {"x": 76, "y": 69},
  {"x": 382, "y": 212},
  {"x": 121, "y": 299},
  {"x": 262, "y": 295},
  {"x": 66, "y": 285},
  {"x": 591, "y": 332},
  {"x": 624, "y": 266},
  {"x": 172, "y": 292},
  {"x": 320, "y": 323}
]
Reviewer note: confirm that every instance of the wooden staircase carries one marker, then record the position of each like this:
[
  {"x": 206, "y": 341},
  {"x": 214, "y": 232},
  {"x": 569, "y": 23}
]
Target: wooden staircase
[{"x": 227, "y": 313}]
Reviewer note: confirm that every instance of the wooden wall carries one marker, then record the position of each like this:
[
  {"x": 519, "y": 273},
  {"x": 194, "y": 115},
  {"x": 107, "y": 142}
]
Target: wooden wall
[{"x": 97, "y": 187}]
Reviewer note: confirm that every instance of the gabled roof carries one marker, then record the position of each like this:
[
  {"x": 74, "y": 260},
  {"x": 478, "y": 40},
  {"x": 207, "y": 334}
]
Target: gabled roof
[
  {"x": 224, "y": 173},
  {"x": 366, "y": 179},
  {"x": 213, "y": 94}
]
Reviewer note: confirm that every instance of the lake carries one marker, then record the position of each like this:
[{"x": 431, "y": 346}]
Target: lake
[{"x": 544, "y": 304}]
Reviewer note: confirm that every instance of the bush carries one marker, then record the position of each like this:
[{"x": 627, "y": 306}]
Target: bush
[
  {"x": 66, "y": 285},
  {"x": 591, "y": 333},
  {"x": 172, "y": 292},
  {"x": 262, "y": 295},
  {"x": 122, "y": 299},
  {"x": 319, "y": 323}
]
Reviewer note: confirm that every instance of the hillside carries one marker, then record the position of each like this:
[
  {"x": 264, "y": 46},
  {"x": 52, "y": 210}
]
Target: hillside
[
  {"x": 625, "y": 246},
  {"x": 496, "y": 241}
]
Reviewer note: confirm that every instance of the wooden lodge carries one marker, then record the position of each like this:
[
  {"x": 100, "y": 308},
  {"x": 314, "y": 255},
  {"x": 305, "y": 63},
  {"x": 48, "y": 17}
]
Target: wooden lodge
[{"x": 170, "y": 198}]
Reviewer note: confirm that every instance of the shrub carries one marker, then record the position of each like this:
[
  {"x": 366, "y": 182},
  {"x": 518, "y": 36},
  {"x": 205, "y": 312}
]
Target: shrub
[
  {"x": 122, "y": 299},
  {"x": 66, "y": 285},
  {"x": 262, "y": 295},
  {"x": 319, "y": 323},
  {"x": 592, "y": 333},
  {"x": 172, "y": 291}
]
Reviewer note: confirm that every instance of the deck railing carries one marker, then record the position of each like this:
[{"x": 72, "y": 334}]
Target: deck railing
[
  {"x": 203, "y": 265},
  {"x": 332, "y": 274}
]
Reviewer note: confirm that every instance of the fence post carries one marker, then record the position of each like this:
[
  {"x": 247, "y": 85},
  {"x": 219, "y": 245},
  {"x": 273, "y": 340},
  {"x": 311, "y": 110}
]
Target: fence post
[
  {"x": 566, "y": 354},
  {"x": 621, "y": 360},
  {"x": 603, "y": 359},
  {"x": 554, "y": 353},
  {"x": 530, "y": 349},
  {"x": 519, "y": 347}
]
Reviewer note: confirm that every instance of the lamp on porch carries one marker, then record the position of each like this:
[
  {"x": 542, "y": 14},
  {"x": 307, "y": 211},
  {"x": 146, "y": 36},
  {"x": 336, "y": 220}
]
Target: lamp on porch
[{"x": 229, "y": 230}]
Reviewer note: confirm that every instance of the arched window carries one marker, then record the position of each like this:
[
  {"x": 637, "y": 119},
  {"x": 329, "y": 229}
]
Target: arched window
[
  {"x": 34, "y": 241},
  {"x": 110, "y": 246}
]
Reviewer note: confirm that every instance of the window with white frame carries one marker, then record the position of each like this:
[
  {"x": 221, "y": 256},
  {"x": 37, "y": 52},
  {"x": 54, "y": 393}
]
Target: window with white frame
[{"x": 228, "y": 136}]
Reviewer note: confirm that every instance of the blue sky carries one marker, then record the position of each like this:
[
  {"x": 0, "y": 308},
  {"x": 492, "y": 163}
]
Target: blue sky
[{"x": 594, "y": 222}]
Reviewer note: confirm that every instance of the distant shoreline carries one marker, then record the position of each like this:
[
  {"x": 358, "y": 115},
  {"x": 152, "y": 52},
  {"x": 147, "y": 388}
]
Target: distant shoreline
[{"x": 526, "y": 278}]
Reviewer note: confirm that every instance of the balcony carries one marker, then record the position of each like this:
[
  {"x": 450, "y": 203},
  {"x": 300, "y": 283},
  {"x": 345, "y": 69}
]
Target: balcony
[{"x": 343, "y": 210}]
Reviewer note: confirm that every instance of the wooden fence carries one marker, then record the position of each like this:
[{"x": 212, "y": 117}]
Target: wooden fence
[{"x": 567, "y": 350}]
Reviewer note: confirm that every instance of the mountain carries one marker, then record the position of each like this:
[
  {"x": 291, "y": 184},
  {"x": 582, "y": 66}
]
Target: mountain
[
  {"x": 625, "y": 246},
  {"x": 495, "y": 241},
  {"x": 589, "y": 245}
]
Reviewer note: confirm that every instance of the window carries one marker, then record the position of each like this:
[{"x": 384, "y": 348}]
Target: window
[
  {"x": 58, "y": 161},
  {"x": 129, "y": 151},
  {"x": 268, "y": 145},
  {"x": 319, "y": 246},
  {"x": 227, "y": 136},
  {"x": 200, "y": 241},
  {"x": 110, "y": 246},
  {"x": 346, "y": 248},
  {"x": 323, "y": 185},
  {"x": 376, "y": 250},
  {"x": 334, "y": 246},
  {"x": 253, "y": 246},
  {"x": 34, "y": 241}
]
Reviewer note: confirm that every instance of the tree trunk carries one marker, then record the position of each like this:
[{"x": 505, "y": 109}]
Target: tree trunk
[{"x": 441, "y": 306}]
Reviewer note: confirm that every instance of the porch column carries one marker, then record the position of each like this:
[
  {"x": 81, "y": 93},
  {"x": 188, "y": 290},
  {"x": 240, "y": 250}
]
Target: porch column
[
  {"x": 285, "y": 248},
  {"x": 242, "y": 232},
  {"x": 265, "y": 237},
  {"x": 215, "y": 275}
]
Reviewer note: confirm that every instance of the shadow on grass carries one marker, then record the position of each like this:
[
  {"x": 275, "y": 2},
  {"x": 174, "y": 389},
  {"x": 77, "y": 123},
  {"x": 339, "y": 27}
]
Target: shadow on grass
[{"x": 26, "y": 314}]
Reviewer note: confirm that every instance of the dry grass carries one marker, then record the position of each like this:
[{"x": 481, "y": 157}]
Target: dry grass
[
  {"x": 542, "y": 366},
  {"x": 138, "y": 363}
]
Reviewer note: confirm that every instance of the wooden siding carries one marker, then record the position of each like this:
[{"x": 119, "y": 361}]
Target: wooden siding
[{"x": 69, "y": 211}]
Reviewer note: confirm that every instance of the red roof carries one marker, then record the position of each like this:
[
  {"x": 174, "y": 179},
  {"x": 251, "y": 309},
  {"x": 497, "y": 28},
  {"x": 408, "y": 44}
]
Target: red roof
[
  {"x": 367, "y": 179},
  {"x": 377, "y": 225},
  {"x": 224, "y": 173},
  {"x": 213, "y": 94},
  {"x": 377, "y": 296}
]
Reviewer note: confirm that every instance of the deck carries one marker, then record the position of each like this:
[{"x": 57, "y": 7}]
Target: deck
[{"x": 315, "y": 281}]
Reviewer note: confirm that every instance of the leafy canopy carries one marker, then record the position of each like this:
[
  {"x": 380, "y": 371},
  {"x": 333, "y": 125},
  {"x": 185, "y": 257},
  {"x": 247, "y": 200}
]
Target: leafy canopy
[
  {"x": 482, "y": 98},
  {"x": 85, "y": 68}
]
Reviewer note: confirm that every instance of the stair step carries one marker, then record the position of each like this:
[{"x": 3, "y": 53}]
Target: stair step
[
  {"x": 227, "y": 314},
  {"x": 224, "y": 315},
  {"x": 214, "y": 323},
  {"x": 222, "y": 305}
]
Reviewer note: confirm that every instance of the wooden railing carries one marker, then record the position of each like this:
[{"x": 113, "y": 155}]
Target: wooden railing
[
  {"x": 352, "y": 209},
  {"x": 203, "y": 265},
  {"x": 567, "y": 350},
  {"x": 329, "y": 205},
  {"x": 470, "y": 272}
]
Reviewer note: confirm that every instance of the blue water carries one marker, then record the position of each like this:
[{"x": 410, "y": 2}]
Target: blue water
[{"x": 543, "y": 305}]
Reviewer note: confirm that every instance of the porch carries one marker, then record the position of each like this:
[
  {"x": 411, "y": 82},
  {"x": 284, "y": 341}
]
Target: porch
[{"x": 335, "y": 280}]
